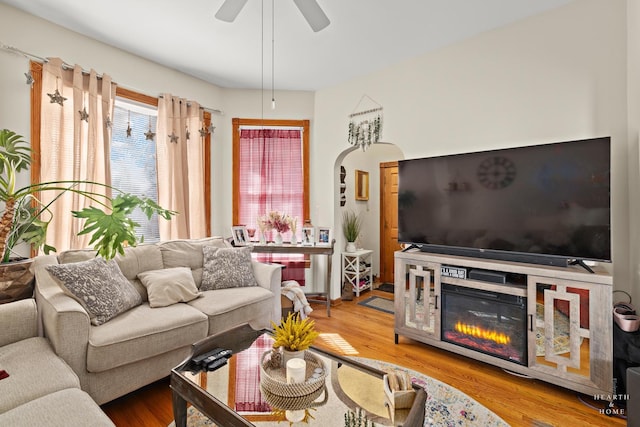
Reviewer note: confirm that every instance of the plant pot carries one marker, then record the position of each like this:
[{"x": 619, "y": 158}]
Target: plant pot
[
  {"x": 351, "y": 247},
  {"x": 288, "y": 355},
  {"x": 16, "y": 280}
]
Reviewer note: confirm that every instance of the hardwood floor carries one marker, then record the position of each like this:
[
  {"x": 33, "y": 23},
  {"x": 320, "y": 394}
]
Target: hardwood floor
[{"x": 519, "y": 401}]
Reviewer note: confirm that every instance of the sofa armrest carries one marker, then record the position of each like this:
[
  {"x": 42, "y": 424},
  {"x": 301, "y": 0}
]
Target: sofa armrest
[
  {"x": 269, "y": 276},
  {"x": 19, "y": 320},
  {"x": 65, "y": 322}
]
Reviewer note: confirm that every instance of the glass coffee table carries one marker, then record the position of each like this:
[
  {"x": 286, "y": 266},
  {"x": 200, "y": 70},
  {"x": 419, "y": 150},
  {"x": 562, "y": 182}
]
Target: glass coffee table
[{"x": 239, "y": 393}]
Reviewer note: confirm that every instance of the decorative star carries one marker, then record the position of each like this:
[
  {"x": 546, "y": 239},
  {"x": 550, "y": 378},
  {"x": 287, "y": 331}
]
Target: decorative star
[
  {"x": 29, "y": 77},
  {"x": 108, "y": 122},
  {"x": 129, "y": 130},
  {"x": 83, "y": 114},
  {"x": 57, "y": 98},
  {"x": 149, "y": 135},
  {"x": 203, "y": 132},
  {"x": 173, "y": 138},
  {"x": 188, "y": 135},
  {"x": 211, "y": 129}
]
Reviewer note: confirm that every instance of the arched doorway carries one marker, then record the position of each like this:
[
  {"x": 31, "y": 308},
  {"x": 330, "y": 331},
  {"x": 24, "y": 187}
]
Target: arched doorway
[{"x": 372, "y": 214}]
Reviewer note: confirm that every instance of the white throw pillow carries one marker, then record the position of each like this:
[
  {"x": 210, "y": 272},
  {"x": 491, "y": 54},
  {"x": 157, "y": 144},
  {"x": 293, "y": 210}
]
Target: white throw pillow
[{"x": 169, "y": 286}]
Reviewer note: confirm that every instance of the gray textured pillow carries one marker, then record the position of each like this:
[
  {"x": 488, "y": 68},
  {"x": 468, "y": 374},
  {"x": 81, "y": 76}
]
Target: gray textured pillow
[
  {"x": 169, "y": 286},
  {"x": 227, "y": 268},
  {"x": 99, "y": 286}
]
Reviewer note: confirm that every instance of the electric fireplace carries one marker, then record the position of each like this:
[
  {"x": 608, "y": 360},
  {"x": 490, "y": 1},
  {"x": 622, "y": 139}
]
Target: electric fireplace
[{"x": 489, "y": 322}]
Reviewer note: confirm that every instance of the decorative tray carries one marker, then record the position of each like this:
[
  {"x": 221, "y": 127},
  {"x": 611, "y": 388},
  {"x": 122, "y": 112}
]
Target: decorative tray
[{"x": 274, "y": 380}]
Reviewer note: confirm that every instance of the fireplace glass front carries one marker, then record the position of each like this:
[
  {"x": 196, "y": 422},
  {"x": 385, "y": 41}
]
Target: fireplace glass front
[{"x": 489, "y": 322}]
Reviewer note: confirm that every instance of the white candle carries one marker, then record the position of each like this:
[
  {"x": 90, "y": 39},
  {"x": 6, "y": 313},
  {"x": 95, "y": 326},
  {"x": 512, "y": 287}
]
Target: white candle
[{"x": 296, "y": 371}]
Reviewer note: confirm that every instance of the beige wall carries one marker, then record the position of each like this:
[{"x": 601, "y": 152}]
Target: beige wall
[{"x": 557, "y": 76}]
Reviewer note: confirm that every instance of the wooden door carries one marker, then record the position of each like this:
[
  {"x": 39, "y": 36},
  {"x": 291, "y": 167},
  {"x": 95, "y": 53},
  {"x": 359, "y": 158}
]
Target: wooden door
[{"x": 388, "y": 219}]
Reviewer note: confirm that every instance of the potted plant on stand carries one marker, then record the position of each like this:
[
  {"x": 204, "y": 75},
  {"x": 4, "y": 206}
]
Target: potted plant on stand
[
  {"x": 351, "y": 227},
  {"x": 25, "y": 219}
]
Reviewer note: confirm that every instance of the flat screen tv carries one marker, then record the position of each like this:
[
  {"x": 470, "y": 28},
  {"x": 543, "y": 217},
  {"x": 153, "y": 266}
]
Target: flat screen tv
[{"x": 545, "y": 204}]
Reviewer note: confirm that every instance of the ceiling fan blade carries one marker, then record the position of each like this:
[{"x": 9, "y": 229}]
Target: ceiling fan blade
[
  {"x": 313, "y": 13},
  {"x": 230, "y": 10}
]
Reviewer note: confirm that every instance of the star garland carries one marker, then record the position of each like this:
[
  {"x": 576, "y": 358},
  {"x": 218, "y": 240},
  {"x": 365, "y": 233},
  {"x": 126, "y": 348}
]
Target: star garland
[
  {"x": 56, "y": 97},
  {"x": 129, "y": 125},
  {"x": 83, "y": 114},
  {"x": 149, "y": 135},
  {"x": 173, "y": 138}
]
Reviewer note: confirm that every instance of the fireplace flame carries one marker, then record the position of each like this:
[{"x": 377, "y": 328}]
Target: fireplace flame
[{"x": 478, "y": 332}]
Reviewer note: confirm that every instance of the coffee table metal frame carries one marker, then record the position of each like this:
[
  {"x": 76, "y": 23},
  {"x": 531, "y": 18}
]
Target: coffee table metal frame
[{"x": 238, "y": 339}]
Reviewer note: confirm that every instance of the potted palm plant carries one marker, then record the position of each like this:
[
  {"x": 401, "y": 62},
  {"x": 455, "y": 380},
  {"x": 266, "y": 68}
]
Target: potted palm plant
[
  {"x": 351, "y": 228},
  {"x": 25, "y": 219}
]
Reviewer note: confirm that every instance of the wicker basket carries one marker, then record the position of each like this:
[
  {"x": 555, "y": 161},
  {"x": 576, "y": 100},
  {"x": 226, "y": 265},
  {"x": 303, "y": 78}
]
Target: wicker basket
[
  {"x": 274, "y": 380},
  {"x": 295, "y": 403}
]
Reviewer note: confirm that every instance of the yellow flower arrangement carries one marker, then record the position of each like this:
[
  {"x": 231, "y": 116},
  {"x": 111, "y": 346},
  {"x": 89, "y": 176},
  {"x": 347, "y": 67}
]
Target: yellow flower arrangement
[{"x": 293, "y": 333}]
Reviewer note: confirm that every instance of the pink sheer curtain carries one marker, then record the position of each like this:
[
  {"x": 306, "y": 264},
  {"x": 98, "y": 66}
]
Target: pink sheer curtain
[
  {"x": 180, "y": 161},
  {"x": 75, "y": 142},
  {"x": 271, "y": 179}
]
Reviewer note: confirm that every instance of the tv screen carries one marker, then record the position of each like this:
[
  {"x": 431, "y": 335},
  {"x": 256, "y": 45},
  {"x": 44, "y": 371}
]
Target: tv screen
[{"x": 525, "y": 203}]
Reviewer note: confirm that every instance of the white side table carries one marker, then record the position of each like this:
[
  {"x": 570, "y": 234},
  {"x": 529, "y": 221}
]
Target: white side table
[{"x": 357, "y": 270}]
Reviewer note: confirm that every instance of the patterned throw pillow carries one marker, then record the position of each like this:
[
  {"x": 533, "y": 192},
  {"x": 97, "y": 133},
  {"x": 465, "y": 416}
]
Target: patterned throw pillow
[
  {"x": 226, "y": 268},
  {"x": 99, "y": 286}
]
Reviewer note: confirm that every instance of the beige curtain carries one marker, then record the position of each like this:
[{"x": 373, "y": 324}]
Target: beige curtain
[
  {"x": 180, "y": 157},
  {"x": 74, "y": 147}
]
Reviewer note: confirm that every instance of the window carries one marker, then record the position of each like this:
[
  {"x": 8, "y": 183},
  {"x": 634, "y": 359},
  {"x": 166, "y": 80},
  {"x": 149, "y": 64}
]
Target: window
[
  {"x": 133, "y": 158},
  {"x": 271, "y": 172}
]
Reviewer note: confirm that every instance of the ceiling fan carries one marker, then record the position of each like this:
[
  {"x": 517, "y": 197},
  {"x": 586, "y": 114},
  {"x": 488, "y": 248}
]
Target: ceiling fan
[{"x": 310, "y": 9}]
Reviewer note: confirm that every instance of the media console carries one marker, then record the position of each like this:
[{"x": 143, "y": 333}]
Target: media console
[{"x": 546, "y": 322}]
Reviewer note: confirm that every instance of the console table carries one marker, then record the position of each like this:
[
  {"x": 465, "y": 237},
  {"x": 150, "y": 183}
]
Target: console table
[{"x": 307, "y": 250}]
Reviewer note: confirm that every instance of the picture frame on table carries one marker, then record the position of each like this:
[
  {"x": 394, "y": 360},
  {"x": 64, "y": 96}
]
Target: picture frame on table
[
  {"x": 324, "y": 236},
  {"x": 240, "y": 235},
  {"x": 308, "y": 236}
]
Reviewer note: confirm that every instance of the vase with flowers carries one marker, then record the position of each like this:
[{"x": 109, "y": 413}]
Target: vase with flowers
[
  {"x": 278, "y": 222},
  {"x": 294, "y": 335}
]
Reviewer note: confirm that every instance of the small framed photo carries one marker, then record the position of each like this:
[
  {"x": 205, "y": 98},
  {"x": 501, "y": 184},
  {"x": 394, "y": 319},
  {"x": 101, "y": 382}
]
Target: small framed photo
[
  {"x": 324, "y": 235},
  {"x": 308, "y": 236},
  {"x": 240, "y": 235}
]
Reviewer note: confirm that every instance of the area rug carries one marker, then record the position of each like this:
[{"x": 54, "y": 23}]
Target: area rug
[
  {"x": 378, "y": 303},
  {"x": 386, "y": 287},
  {"x": 445, "y": 406}
]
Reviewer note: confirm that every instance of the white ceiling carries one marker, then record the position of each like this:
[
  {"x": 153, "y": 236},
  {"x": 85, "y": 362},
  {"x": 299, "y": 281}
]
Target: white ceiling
[{"x": 364, "y": 35}]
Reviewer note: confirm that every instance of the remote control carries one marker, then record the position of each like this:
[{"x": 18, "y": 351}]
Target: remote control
[
  {"x": 224, "y": 354},
  {"x": 216, "y": 364},
  {"x": 198, "y": 359}
]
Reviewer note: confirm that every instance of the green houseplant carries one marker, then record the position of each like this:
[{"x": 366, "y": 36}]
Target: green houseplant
[
  {"x": 351, "y": 228},
  {"x": 25, "y": 218}
]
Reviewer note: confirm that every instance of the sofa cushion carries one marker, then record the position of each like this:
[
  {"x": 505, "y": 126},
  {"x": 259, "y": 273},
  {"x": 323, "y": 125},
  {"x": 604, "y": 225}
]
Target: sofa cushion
[
  {"x": 188, "y": 253},
  {"x": 137, "y": 260},
  {"x": 99, "y": 286},
  {"x": 143, "y": 332},
  {"x": 227, "y": 268},
  {"x": 34, "y": 371},
  {"x": 231, "y": 307},
  {"x": 169, "y": 286},
  {"x": 71, "y": 407}
]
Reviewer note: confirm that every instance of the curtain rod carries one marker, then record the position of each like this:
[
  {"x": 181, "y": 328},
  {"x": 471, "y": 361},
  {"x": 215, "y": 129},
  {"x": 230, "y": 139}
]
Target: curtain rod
[
  {"x": 211, "y": 110},
  {"x": 66, "y": 66}
]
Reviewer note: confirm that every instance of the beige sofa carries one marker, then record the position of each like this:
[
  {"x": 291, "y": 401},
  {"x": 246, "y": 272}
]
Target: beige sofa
[
  {"x": 142, "y": 344},
  {"x": 40, "y": 389}
]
